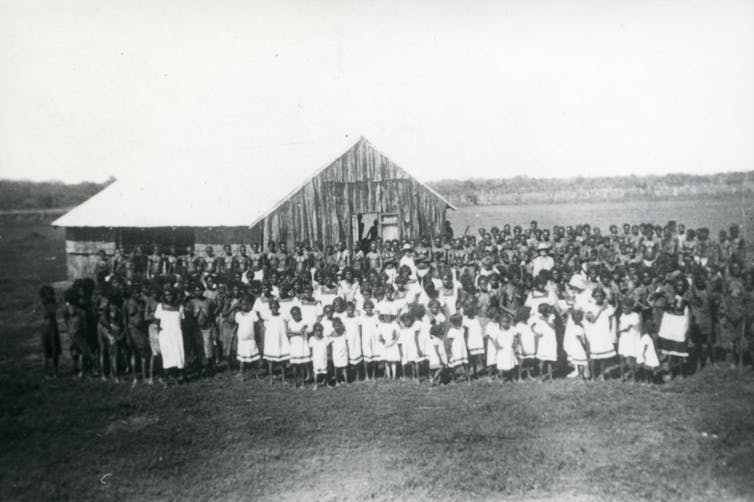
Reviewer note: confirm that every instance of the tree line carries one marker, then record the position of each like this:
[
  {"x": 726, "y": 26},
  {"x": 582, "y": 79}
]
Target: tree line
[
  {"x": 523, "y": 189},
  {"x": 20, "y": 195},
  {"x": 23, "y": 194}
]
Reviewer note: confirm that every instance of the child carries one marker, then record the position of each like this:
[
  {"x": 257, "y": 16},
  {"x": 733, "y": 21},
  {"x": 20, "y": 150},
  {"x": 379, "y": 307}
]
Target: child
[
  {"x": 369, "y": 344},
  {"x": 387, "y": 335},
  {"x": 408, "y": 340},
  {"x": 629, "y": 335},
  {"x": 168, "y": 316},
  {"x": 245, "y": 320},
  {"x": 276, "y": 347},
  {"x": 354, "y": 340},
  {"x": 459, "y": 355},
  {"x": 700, "y": 303},
  {"x": 575, "y": 344},
  {"x": 504, "y": 338},
  {"x": 318, "y": 345},
  {"x": 547, "y": 346},
  {"x": 230, "y": 305},
  {"x": 203, "y": 310},
  {"x": 474, "y": 339},
  {"x": 339, "y": 350},
  {"x": 527, "y": 344},
  {"x": 598, "y": 332},
  {"x": 672, "y": 336},
  {"x": 138, "y": 336},
  {"x": 647, "y": 359},
  {"x": 111, "y": 335},
  {"x": 491, "y": 331},
  {"x": 438, "y": 360},
  {"x": 50, "y": 333},
  {"x": 300, "y": 356}
]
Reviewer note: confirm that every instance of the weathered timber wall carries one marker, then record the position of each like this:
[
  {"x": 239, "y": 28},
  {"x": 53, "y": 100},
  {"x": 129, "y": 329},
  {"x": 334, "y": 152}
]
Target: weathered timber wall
[{"x": 362, "y": 180}]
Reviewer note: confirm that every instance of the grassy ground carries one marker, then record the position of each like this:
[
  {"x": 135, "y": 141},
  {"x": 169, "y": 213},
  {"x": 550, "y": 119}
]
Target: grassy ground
[{"x": 223, "y": 439}]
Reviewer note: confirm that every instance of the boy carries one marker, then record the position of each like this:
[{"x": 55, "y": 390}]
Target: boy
[{"x": 136, "y": 327}]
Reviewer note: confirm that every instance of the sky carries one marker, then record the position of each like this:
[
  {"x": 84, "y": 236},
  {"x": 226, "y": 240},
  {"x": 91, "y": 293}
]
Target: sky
[{"x": 130, "y": 88}]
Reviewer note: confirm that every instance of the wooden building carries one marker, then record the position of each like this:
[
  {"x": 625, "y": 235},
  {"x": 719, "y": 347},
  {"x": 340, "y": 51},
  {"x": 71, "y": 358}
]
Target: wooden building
[{"x": 336, "y": 203}]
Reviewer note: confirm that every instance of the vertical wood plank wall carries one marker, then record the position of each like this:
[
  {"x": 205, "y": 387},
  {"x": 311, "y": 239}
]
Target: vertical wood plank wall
[{"x": 362, "y": 180}]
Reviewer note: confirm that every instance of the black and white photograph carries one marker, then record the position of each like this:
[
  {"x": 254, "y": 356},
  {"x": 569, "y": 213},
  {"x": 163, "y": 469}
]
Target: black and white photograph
[{"x": 349, "y": 250}]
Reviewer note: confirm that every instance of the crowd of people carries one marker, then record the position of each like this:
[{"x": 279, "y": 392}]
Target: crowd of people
[{"x": 639, "y": 302}]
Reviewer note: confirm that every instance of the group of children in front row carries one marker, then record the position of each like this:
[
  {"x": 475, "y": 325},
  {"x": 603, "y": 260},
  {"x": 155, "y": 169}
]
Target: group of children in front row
[{"x": 412, "y": 340}]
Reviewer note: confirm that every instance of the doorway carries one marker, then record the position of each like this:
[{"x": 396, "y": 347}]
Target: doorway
[{"x": 365, "y": 227}]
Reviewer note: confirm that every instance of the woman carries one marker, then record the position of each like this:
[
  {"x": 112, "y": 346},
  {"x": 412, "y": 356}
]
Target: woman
[{"x": 168, "y": 316}]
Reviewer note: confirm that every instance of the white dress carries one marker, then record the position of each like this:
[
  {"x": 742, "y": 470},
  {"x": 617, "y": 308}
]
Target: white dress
[
  {"x": 647, "y": 356},
  {"x": 527, "y": 348},
  {"x": 369, "y": 346},
  {"x": 436, "y": 353},
  {"x": 599, "y": 332},
  {"x": 353, "y": 339},
  {"x": 458, "y": 353},
  {"x": 248, "y": 351},
  {"x": 572, "y": 343},
  {"x": 389, "y": 343},
  {"x": 171, "y": 337},
  {"x": 311, "y": 311},
  {"x": 408, "y": 342},
  {"x": 276, "y": 345},
  {"x": 475, "y": 342},
  {"x": 491, "y": 332},
  {"x": 506, "y": 356},
  {"x": 547, "y": 342},
  {"x": 339, "y": 350},
  {"x": 423, "y": 339},
  {"x": 318, "y": 347},
  {"x": 672, "y": 334},
  {"x": 629, "y": 337},
  {"x": 299, "y": 348}
]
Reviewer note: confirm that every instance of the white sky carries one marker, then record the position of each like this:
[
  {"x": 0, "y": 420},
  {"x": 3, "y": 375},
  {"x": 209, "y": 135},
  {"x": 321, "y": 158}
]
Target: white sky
[{"x": 90, "y": 88}]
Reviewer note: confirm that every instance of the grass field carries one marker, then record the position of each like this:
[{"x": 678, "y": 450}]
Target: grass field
[{"x": 220, "y": 438}]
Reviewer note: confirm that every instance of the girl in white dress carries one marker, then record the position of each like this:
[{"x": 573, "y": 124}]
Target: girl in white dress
[
  {"x": 598, "y": 332},
  {"x": 459, "y": 355},
  {"x": 339, "y": 344},
  {"x": 311, "y": 312},
  {"x": 574, "y": 344},
  {"x": 168, "y": 317},
  {"x": 408, "y": 340},
  {"x": 369, "y": 344},
  {"x": 248, "y": 352},
  {"x": 276, "y": 346},
  {"x": 490, "y": 334},
  {"x": 474, "y": 339},
  {"x": 353, "y": 340},
  {"x": 387, "y": 335},
  {"x": 436, "y": 355},
  {"x": 542, "y": 325},
  {"x": 647, "y": 359},
  {"x": 296, "y": 329},
  {"x": 504, "y": 340},
  {"x": 318, "y": 344},
  {"x": 527, "y": 344},
  {"x": 629, "y": 336}
]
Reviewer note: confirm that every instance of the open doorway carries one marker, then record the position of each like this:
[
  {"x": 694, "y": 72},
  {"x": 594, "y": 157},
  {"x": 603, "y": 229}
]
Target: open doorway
[{"x": 366, "y": 227}]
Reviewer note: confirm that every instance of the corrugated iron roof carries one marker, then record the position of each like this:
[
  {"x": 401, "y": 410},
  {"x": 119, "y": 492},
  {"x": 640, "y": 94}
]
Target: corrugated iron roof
[{"x": 241, "y": 198}]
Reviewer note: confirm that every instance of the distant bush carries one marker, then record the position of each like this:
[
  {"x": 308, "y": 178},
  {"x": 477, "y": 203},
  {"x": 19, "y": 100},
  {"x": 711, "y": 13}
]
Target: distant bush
[
  {"x": 523, "y": 190},
  {"x": 46, "y": 194}
]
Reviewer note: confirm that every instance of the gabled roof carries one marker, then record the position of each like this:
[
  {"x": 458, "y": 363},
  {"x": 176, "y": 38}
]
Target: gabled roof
[{"x": 213, "y": 200}]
